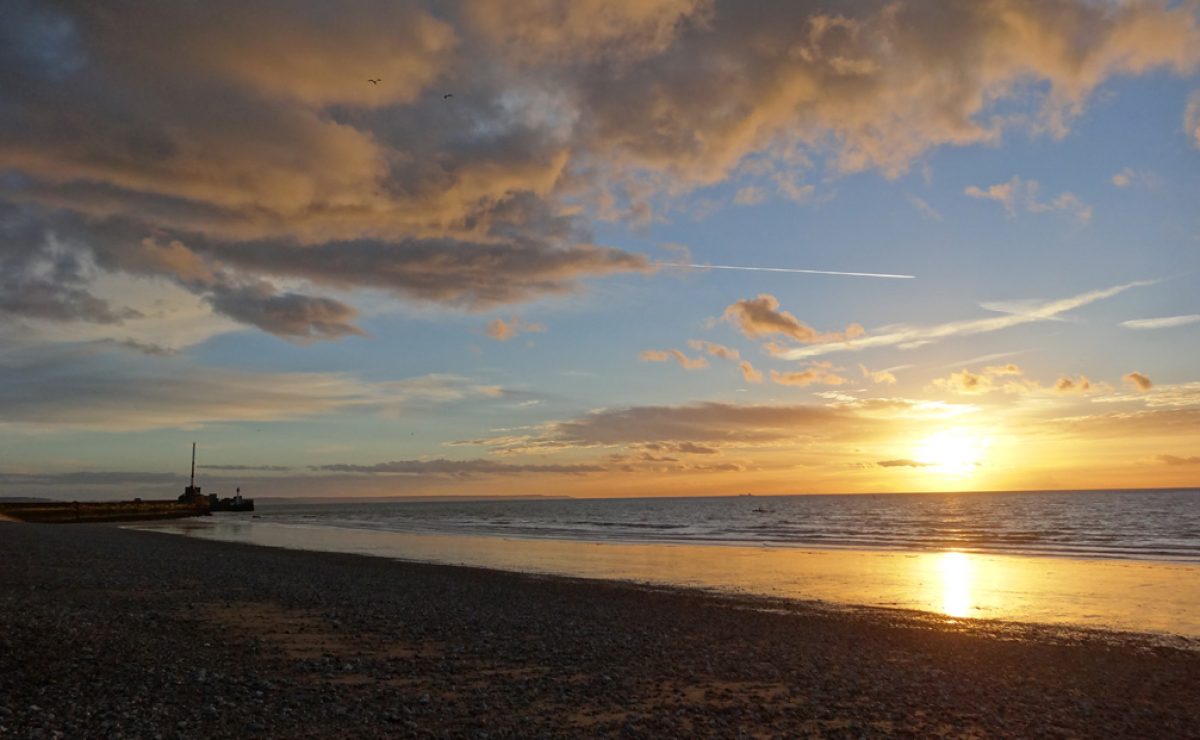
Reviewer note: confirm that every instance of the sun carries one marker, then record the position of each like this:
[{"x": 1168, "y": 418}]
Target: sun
[{"x": 954, "y": 451}]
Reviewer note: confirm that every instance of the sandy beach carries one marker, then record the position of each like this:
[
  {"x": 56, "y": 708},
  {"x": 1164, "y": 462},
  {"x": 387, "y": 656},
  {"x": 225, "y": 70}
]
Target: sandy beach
[{"x": 107, "y": 632}]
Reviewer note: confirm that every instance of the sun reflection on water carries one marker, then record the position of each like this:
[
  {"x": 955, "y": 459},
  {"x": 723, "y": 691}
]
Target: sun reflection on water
[{"x": 957, "y": 575}]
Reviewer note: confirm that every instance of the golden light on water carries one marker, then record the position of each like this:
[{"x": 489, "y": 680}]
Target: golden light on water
[
  {"x": 957, "y": 574},
  {"x": 957, "y": 451}
]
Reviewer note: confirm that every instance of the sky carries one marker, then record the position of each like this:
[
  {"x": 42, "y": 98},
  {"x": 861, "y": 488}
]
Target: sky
[{"x": 381, "y": 248}]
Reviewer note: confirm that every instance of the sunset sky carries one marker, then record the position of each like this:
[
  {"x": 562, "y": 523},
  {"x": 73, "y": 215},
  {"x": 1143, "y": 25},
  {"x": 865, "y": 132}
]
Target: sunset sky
[{"x": 464, "y": 278}]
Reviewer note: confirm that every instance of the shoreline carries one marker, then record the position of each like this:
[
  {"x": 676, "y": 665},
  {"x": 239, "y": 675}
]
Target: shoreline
[
  {"x": 109, "y": 631},
  {"x": 1135, "y": 596}
]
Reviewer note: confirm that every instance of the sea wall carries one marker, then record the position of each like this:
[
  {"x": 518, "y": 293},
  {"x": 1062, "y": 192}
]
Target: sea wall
[{"x": 100, "y": 511}]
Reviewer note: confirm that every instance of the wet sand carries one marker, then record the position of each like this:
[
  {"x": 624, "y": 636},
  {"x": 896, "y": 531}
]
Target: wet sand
[
  {"x": 107, "y": 632},
  {"x": 1130, "y": 595}
]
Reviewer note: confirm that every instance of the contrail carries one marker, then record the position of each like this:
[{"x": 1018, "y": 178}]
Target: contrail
[{"x": 790, "y": 269}]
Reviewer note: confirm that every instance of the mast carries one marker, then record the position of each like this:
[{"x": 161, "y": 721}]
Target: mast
[{"x": 193, "y": 484}]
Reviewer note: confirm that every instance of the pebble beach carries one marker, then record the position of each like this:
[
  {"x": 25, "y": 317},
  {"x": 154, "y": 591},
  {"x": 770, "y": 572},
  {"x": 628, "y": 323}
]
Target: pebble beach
[{"x": 108, "y": 632}]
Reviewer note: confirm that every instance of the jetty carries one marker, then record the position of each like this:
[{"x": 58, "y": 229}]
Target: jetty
[{"x": 191, "y": 503}]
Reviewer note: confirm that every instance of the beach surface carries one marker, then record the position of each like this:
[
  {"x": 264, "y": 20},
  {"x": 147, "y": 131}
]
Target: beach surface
[{"x": 107, "y": 632}]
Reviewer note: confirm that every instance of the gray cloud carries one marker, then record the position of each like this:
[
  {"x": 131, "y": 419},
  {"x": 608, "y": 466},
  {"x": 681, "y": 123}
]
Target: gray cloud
[
  {"x": 267, "y": 468},
  {"x": 702, "y": 428},
  {"x": 288, "y": 315},
  {"x": 463, "y": 468},
  {"x": 248, "y": 132},
  {"x": 86, "y": 388},
  {"x": 901, "y": 463}
]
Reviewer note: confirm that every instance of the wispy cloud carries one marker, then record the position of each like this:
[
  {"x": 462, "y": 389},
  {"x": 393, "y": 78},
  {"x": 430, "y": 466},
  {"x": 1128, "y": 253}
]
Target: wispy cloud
[
  {"x": 455, "y": 468},
  {"x": 925, "y": 209},
  {"x": 502, "y": 330},
  {"x": 1129, "y": 177},
  {"x": 907, "y": 337},
  {"x": 1178, "y": 460},
  {"x": 1165, "y": 322},
  {"x": 822, "y": 373},
  {"x": 1191, "y": 118},
  {"x": 1024, "y": 195},
  {"x": 661, "y": 355},
  {"x": 714, "y": 349},
  {"x": 84, "y": 388}
]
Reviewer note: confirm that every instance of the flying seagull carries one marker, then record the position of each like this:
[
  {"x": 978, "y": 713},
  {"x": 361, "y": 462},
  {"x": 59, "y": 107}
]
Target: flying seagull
[{"x": 374, "y": 81}]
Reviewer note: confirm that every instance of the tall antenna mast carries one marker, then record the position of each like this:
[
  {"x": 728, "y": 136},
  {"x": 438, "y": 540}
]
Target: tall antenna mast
[{"x": 193, "y": 465}]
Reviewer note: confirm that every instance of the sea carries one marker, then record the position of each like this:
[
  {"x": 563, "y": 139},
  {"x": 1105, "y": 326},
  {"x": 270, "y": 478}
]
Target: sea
[
  {"x": 1152, "y": 524},
  {"x": 1126, "y": 560}
]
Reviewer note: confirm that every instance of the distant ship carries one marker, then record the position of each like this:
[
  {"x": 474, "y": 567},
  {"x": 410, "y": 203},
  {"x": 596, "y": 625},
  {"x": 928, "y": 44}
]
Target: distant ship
[{"x": 192, "y": 495}]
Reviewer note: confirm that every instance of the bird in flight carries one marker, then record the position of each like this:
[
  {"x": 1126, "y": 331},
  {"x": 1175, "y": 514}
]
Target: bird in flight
[
  {"x": 375, "y": 80},
  {"x": 447, "y": 96}
]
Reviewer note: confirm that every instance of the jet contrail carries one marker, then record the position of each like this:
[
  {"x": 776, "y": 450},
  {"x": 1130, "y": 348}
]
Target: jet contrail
[{"x": 790, "y": 269}]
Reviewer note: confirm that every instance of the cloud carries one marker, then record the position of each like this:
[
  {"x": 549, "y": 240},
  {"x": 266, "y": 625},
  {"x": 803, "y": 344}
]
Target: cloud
[
  {"x": 907, "y": 337},
  {"x": 502, "y": 330},
  {"x": 901, "y": 463},
  {"x": 1177, "y": 460},
  {"x": 820, "y": 375},
  {"x": 687, "y": 363},
  {"x": 1165, "y": 322},
  {"x": 454, "y": 468},
  {"x": 87, "y": 388},
  {"x": 1129, "y": 177},
  {"x": 709, "y": 426},
  {"x": 749, "y": 373},
  {"x": 1191, "y": 118},
  {"x": 749, "y": 195},
  {"x": 1069, "y": 385},
  {"x": 714, "y": 349},
  {"x": 877, "y": 376},
  {"x": 966, "y": 382},
  {"x": 998, "y": 370},
  {"x": 248, "y": 132},
  {"x": 761, "y": 316},
  {"x": 288, "y": 315},
  {"x": 924, "y": 208},
  {"x": 1018, "y": 194},
  {"x": 1006, "y": 378},
  {"x": 89, "y": 478},
  {"x": 1178, "y": 395},
  {"x": 267, "y": 468},
  {"x": 1137, "y": 380}
]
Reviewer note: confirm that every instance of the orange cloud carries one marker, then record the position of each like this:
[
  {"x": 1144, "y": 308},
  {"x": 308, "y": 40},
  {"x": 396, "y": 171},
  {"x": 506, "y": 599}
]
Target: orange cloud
[
  {"x": 1018, "y": 194},
  {"x": 1139, "y": 381},
  {"x": 502, "y": 330},
  {"x": 749, "y": 373},
  {"x": 877, "y": 376},
  {"x": 802, "y": 378},
  {"x": 687, "y": 363},
  {"x": 761, "y": 316},
  {"x": 1067, "y": 385},
  {"x": 716, "y": 350}
]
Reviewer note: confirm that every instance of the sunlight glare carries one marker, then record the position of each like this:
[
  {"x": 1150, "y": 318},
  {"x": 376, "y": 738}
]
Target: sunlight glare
[
  {"x": 956, "y": 584},
  {"x": 954, "y": 451}
]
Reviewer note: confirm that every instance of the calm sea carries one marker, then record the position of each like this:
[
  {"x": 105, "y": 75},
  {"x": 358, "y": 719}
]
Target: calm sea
[{"x": 1131, "y": 524}]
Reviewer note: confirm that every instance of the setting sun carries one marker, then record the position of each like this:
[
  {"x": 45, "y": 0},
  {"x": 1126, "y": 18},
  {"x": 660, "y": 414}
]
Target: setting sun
[{"x": 954, "y": 451}]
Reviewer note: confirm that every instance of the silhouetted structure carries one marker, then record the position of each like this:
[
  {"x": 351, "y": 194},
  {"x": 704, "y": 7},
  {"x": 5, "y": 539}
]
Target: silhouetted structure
[{"x": 192, "y": 495}]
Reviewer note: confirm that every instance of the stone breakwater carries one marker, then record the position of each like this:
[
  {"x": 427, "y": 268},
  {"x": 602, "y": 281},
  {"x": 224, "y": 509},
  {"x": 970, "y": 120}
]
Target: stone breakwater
[
  {"x": 107, "y": 632},
  {"x": 61, "y": 512}
]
